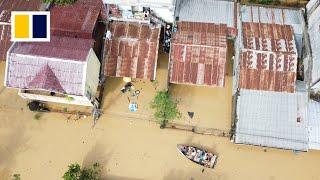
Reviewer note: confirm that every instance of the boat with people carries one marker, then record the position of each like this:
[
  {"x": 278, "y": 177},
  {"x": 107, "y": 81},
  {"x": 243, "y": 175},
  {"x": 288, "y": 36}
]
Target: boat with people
[{"x": 197, "y": 155}]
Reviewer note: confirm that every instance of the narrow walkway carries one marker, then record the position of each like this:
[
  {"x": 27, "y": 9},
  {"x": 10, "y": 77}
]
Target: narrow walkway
[
  {"x": 176, "y": 126},
  {"x": 199, "y": 130}
]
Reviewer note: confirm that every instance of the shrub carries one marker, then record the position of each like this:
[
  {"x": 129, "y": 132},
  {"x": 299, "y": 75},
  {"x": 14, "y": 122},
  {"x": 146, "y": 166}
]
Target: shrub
[
  {"x": 69, "y": 98},
  {"x": 60, "y": 2},
  {"x": 76, "y": 173},
  {"x": 16, "y": 177}
]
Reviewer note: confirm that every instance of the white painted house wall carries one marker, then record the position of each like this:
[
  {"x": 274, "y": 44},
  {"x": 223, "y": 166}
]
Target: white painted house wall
[
  {"x": 92, "y": 75},
  {"x": 76, "y": 100}
]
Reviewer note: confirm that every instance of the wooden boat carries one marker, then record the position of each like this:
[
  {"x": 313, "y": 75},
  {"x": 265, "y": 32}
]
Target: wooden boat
[{"x": 198, "y": 156}]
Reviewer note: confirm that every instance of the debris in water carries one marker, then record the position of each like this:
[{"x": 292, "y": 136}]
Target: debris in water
[{"x": 191, "y": 114}]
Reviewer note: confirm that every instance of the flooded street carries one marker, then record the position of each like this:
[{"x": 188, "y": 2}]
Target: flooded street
[{"x": 130, "y": 146}]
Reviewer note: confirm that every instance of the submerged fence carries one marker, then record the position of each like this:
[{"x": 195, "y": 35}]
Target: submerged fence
[{"x": 200, "y": 130}]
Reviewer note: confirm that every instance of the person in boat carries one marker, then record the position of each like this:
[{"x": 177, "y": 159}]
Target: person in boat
[
  {"x": 184, "y": 150},
  {"x": 205, "y": 156},
  {"x": 193, "y": 152}
]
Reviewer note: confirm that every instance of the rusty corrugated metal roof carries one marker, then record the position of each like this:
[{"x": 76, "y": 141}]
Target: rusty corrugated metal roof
[
  {"x": 198, "y": 54},
  {"x": 76, "y": 20},
  {"x": 269, "y": 57},
  {"x": 6, "y": 6},
  {"x": 5, "y": 43},
  {"x": 133, "y": 50}
]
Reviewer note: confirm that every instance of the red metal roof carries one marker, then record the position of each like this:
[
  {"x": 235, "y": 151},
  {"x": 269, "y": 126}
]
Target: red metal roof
[
  {"x": 5, "y": 43},
  {"x": 46, "y": 79},
  {"x": 268, "y": 37},
  {"x": 269, "y": 58},
  {"x": 6, "y": 6},
  {"x": 57, "y": 66},
  {"x": 268, "y": 71},
  {"x": 76, "y": 20},
  {"x": 59, "y": 47},
  {"x": 198, "y": 54},
  {"x": 133, "y": 50}
]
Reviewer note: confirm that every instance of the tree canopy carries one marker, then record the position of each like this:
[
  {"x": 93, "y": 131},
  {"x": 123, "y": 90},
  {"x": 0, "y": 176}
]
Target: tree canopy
[
  {"x": 76, "y": 173},
  {"x": 165, "y": 108},
  {"x": 60, "y": 2}
]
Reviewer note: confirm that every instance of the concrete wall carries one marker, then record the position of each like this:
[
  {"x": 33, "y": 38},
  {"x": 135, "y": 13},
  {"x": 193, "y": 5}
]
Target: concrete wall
[
  {"x": 314, "y": 35},
  {"x": 92, "y": 75},
  {"x": 76, "y": 100}
]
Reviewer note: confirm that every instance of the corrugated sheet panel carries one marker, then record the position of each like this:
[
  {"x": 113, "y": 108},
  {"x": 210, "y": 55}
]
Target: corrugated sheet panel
[
  {"x": 271, "y": 15},
  {"x": 41, "y": 73},
  {"x": 269, "y": 58},
  {"x": 207, "y": 11},
  {"x": 5, "y": 43},
  {"x": 314, "y": 125},
  {"x": 280, "y": 16},
  {"x": 270, "y": 119},
  {"x": 312, "y": 4},
  {"x": 6, "y": 6},
  {"x": 314, "y": 34},
  {"x": 133, "y": 50},
  {"x": 268, "y": 37},
  {"x": 198, "y": 54},
  {"x": 58, "y": 47},
  {"x": 268, "y": 71},
  {"x": 81, "y": 18}
]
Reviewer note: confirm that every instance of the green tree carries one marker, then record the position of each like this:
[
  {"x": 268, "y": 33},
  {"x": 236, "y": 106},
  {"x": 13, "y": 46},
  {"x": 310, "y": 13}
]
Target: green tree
[
  {"x": 16, "y": 177},
  {"x": 165, "y": 108},
  {"x": 60, "y": 2},
  {"x": 76, "y": 173}
]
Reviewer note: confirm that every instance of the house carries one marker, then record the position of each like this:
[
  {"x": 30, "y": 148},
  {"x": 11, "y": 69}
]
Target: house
[
  {"x": 280, "y": 16},
  {"x": 66, "y": 69},
  {"x": 198, "y": 54},
  {"x": 271, "y": 119},
  {"x": 131, "y": 50},
  {"x": 199, "y": 42},
  {"x": 6, "y": 6},
  {"x": 313, "y": 10},
  {"x": 209, "y": 11},
  {"x": 272, "y": 104},
  {"x": 269, "y": 57},
  {"x": 83, "y": 17}
]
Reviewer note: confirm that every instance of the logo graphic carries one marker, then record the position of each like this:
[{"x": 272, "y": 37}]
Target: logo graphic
[{"x": 30, "y": 26}]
